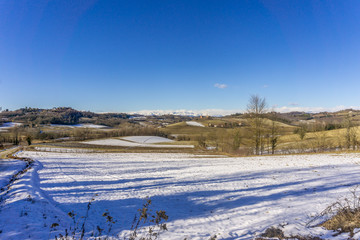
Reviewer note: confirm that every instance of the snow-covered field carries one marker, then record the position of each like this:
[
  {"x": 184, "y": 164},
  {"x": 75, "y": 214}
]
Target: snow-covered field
[
  {"x": 82, "y": 125},
  {"x": 141, "y": 141},
  {"x": 235, "y": 198},
  {"x": 194, "y": 124},
  {"x": 147, "y": 139},
  {"x": 5, "y": 126}
]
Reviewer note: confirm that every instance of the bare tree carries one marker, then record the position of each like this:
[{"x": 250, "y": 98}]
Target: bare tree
[
  {"x": 302, "y": 130},
  {"x": 319, "y": 142},
  {"x": 256, "y": 109},
  {"x": 274, "y": 136},
  {"x": 237, "y": 140},
  {"x": 350, "y": 134}
]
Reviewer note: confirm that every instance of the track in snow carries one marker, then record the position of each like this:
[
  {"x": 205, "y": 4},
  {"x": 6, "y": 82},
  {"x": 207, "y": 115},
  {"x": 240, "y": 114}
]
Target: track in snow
[{"x": 235, "y": 198}]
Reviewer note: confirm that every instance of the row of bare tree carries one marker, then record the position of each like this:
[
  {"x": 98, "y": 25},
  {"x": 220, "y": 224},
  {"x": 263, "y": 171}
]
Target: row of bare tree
[{"x": 264, "y": 138}]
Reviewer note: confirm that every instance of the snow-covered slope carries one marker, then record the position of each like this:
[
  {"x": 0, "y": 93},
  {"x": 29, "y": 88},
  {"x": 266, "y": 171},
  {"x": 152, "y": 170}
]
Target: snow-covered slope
[
  {"x": 234, "y": 198},
  {"x": 128, "y": 143},
  {"x": 5, "y": 126},
  {"x": 147, "y": 139},
  {"x": 81, "y": 125},
  {"x": 194, "y": 124},
  {"x": 9, "y": 167}
]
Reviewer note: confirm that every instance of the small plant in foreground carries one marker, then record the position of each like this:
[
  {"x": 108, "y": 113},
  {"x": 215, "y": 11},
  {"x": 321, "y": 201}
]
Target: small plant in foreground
[
  {"x": 145, "y": 226},
  {"x": 145, "y": 216},
  {"x": 75, "y": 230},
  {"x": 110, "y": 221}
]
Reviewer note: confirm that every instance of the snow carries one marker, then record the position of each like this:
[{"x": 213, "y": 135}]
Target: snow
[
  {"x": 147, "y": 139},
  {"x": 7, "y": 125},
  {"x": 224, "y": 112},
  {"x": 64, "y": 150},
  {"x": 9, "y": 167},
  {"x": 82, "y": 125},
  {"x": 235, "y": 198},
  {"x": 88, "y": 125},
  {"x": 195, "y": 124},
  {"x": 123, "y": 143},
  {"x": 186, "y": 112}
]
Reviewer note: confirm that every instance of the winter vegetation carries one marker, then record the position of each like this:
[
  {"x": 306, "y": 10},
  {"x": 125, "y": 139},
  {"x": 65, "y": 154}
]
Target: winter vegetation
[
  {"x": 135, "y": 120},
  {"x": 257, "y": 131},
  {"x": 81, "y": 175}
]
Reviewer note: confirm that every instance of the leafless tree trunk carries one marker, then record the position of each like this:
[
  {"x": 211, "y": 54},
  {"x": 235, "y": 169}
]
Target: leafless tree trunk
[
  {"x": 350, "y": 134},
  {"x": 303, "y": 128},
  {"x": 256, "y": 109},
  {"x": 274, "y": 135}
]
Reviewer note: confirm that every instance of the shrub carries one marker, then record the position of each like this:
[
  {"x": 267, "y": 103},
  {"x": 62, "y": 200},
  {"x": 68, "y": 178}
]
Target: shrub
[
  {"x": 145, "y": 226},
  {"x": 342, "y": 216}
]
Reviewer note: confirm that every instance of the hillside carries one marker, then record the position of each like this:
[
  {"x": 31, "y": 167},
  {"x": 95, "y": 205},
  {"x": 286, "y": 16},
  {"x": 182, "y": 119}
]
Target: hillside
[{"x": 231, "y": 133}]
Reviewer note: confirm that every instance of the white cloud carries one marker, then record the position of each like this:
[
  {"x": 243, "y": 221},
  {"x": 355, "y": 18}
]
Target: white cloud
[
  {"x": 265, "y": 86},
  {"x": 220, "y": 85}
]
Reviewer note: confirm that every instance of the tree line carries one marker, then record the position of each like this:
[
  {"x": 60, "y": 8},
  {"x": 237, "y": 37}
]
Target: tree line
[{"x": 263, "y": 134}]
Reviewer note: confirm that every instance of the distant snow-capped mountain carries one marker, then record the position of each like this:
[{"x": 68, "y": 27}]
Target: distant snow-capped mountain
[
  {"x": 183, "y": 112},
  {"x": 222, "y": 112}
]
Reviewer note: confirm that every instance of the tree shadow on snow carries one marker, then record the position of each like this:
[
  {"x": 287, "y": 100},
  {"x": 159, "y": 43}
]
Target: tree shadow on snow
[{"x": 184, "y": 203}]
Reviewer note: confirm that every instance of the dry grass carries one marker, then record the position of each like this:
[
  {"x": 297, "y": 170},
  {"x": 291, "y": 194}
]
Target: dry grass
[
  {"x": 343, "y": 215},
  {"x": 346, "y": 220},
  {"x": 9, "y": 152},
  {"x": 333, "y": 137}
]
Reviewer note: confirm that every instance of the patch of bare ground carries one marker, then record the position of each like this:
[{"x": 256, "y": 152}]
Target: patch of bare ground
[{"x": 277, "y": 233}]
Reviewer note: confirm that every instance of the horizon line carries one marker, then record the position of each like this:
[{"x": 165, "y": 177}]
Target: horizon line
[{"x": 215, "y": 111}]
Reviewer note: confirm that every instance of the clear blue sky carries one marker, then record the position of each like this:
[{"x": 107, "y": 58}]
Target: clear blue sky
[{"x": 133, "y": 55}]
